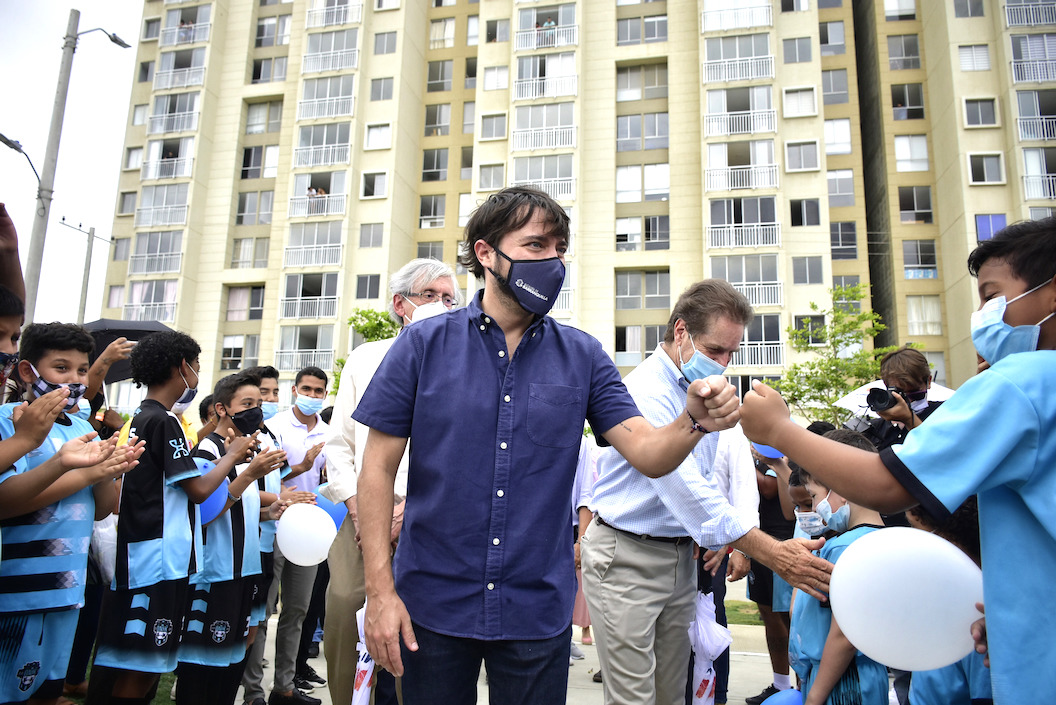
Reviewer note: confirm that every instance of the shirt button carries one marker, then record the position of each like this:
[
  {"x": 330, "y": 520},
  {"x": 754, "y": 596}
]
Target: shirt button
[
  {"x": 500, "y": 493},
  {"x": 482, "y": 326},
  {"x": 502, "y": 353},
  {"x": 495, "y": 541},
  {"x": 506, "y": 398},
  {"x": 491, "y": 586},
  {"x": 503, "y": 445},
  {"x": 487, "y": 320}
]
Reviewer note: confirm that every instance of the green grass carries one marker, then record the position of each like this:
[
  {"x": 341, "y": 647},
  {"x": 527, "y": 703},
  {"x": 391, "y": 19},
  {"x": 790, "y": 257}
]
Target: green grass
[{"x": 738, "y": 612}]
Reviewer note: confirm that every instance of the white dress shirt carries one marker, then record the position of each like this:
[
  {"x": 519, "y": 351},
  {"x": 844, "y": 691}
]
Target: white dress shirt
[{"x": 296, "y": 439}]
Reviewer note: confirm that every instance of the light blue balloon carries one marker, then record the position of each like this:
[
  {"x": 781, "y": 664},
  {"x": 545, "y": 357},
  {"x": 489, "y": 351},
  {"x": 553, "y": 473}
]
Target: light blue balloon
[
  {"x": 767, "y": 451},
  {"x": 337, "y": 512},
  {"x": 214, "y": 504},
  {"x": 785, "y": 697}
]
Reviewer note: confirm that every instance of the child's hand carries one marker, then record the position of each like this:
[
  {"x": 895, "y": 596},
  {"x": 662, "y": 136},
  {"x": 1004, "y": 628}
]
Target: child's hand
[
  {"x": 120, "y": 349},
  {"x": 121, "y": 461},
  {"x": 276, "y": 509},
  {"x": 762, "y": 413},
  {"x": 241, "y": 447},
  {"x": 33, "y": 421},
  {"x": 84, "y": 452},
  {"x": 292, "y": 495},
  {"x": 979, "y": 635},
  {"x": 313, "y": 453},
  {"x": 265, "y": 462}
]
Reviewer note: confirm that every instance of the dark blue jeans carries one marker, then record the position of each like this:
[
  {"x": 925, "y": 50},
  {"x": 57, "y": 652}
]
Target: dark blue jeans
[{"x": 445, "y": 669}]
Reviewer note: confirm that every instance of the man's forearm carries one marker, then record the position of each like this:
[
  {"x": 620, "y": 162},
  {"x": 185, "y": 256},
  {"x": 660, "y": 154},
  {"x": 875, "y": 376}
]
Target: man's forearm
[{"x": 374, "y": 505}]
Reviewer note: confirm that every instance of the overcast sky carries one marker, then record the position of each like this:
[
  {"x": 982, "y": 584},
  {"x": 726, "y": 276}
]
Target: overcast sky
[{"x": 92, "y": 135}]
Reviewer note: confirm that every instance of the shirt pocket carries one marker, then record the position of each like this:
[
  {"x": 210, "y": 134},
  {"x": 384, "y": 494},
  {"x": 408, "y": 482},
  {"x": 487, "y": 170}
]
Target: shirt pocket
[{"x": 555, "y": 415}]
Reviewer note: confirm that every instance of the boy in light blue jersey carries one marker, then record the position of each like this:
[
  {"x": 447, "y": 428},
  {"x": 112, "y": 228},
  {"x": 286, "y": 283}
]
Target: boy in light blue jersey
[{"x": 46, "y": 536}]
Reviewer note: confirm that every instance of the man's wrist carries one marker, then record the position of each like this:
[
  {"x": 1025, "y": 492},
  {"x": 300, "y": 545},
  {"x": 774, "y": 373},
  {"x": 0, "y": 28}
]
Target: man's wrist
[{"x": 694, "y": 425}]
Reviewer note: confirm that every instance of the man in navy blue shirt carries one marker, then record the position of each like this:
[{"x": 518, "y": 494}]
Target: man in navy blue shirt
[{"x": 494, "y": 397}]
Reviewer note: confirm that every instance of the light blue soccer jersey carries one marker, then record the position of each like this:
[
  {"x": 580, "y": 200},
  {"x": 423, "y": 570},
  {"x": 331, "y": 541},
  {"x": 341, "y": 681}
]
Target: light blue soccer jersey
[
  {"x": 996, "y": 437},
  {"x": 45, "y": 553},
  {"x": 865, "y": 681},
  {"x": 966, "y": 682}
]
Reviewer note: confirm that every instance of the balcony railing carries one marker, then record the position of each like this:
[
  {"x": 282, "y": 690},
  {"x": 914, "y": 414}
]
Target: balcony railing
[
  {"x": 745, "y": 235},
  {"x": 164, "y": 312},
  {"x": 325, "y": 107},
  {"x": 738, "y": 69},
  {"x": 1033, "y": 70},
  {"x": 166, "y": 169},
  {"x": 293, "y": 360},
  {"x": 312, "y": 256},
  {"x": 557, "y": 189},
  {"x": 187, "y": 34},
  {"x": 161, "y": 215},
  {"x": 1023, "y": 15},
  {"x": 757, "y": 15},
  {"x": 1040, "y": 186},
  {"x": 172, "y": 122},
  {"x": 760, "y": 293},
  {"x": 741, "y": 177},
  {"x": 330, "y": 61},
  {"x": 1037, "y": 128},
  {"x": 308, "y": 307},
  {"x": 747, "y": 122},
  {"x": 755, "y": 354},
  {"x": 546, "y": 87},
  {"x": 339, "y": 14},
  {"x": 563, "y": 302},
  {"x": 178, "y": 78},
  {"x": 157, "y": 263},
  {"x": 321, "y": 155},
  {"x": 307, "y": 206},
  {"x": 546, "y": 38},
  {"x": 544, "y": 138}
]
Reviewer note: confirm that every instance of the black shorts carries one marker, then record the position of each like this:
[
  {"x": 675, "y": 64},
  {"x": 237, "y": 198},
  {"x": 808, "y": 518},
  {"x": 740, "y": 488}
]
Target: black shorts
[
  {"x": 261, "y": 585},
  {"x": 140, "y": 628},
  {"x": 761, "y": 584},
  {"x": 218, "y": 622}
]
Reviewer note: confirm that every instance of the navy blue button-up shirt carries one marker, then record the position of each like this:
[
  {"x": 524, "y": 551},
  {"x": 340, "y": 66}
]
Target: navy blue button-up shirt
[{"x": 486, "y": 549}]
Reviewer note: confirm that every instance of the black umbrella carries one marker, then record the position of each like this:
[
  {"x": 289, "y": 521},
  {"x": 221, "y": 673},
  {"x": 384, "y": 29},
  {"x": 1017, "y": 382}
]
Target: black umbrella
[{"x": 107, "y": 330}]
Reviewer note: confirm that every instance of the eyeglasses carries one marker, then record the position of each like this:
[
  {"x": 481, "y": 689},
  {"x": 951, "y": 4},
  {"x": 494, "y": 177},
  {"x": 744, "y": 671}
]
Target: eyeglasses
[{"x": 431, "y": 297}]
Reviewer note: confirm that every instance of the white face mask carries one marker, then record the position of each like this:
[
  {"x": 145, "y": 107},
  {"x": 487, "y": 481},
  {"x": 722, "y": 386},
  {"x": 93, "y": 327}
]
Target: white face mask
[{"x": 425, "y": 311}]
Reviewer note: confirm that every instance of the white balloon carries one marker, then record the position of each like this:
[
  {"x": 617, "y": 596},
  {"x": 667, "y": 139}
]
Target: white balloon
[
  {"x": 906, "y": 598},
  {"x": 305, "y": 533}
]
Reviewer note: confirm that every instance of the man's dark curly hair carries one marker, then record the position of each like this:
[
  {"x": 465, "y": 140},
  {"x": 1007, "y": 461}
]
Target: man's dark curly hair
[
  {"x": 261, "y": 372},
  {"x": 155, "y": 356},
  {"x": 39, "y": 338},
  {"x": 960, "y": 528}
]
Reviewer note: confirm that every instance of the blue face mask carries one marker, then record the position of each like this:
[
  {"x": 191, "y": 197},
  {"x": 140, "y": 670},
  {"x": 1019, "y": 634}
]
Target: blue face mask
[
  {"x": 84, "y": 411},
  {"x": 810, "y": 523},
  {"x": 270, "y": 408},
  {"x": 534, "y": 283},
  {"x": 309, "y": 406},
  {"x": 994, "y": 339},
  {"x": 699, "y": 365},
  {"x": 837, "y": 521}
]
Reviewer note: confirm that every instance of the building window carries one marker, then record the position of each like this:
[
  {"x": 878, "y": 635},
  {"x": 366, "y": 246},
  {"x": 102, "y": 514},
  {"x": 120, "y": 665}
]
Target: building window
[
  {"x": 368, "y": 286},
  {"x": 805, "y": 211},
  {"x": 385, "y": 43},
  {"x": 263, "y": 117},
  {"x": 133, "y": 157},
  {"x": 903, "y": 52},
  {"x": 249, "y": 253},
  {"x": 375, "y": 184},
  {"x": 924, "y": 314},
  {"x": 813, "y": 328},
  {"x": 492, "y": 177},
  {"x": 967, "y": 8},
  {"x": 801, "y": 156},
  {"x": 634, "y": 342},
  {"x": 638, "y": 30},
  {"x": 632, "y": 186},
  {"x": 654, "y": 28},
  {"x": 381, "y": 4},
  {"x": 434, "y": 165},
  {"x": 980, "y": 112},
  {"x": 834, "y": 87},
  {"x": 151, "y": 28},
  {"x": 795, "y": 5},
  {"x": 497, "y": 31},
  {"x": 269, "y": 70},
  {"x": 126, "y": 205},
  {"x": 838, "y": 136},
  {"x": 466, "y": 205},
  {"x": 258, "y": 162},
  {"x": 122, "y": 247},
  {"x": 800, "y": 102},
  {"x": 466, "y": 171},
  {"x": 635, "y": 132},
  {"x": 919, "y": 260},
  {"x": 431, "y": 213},
  {"x": 442, "y": 33},
  {"x": 806, "y": 270},
  {"x": 245, "y": 303},
  {"x": 146, "y": 72},
  {"x": 845, "y": 281},
  {"x": 898, "y": 10},
  {"x": 988, "y": 224},
  {"x": 493, "y": 127},
  {"x": 797, "y": 50},
  {"x": 496, "y": 78},
  {"x": 911, "y": 153},
  {"x": 371, "y": 234},
  {"x": 381, "y": 88},
  {"x": 115, "y": 297},
  {"x": 471, "y": 73},
  {"x": 255, "y": 208},
  {"x": 629, "y": 231},
  {"x": 440, "y": 76},
  {"x": 641, "y": 82},
  {"x": 472, "y": 30},
  {"x": 437, "y": 119},
  {"x": 844, "y": 240},
  {"x": 469, "y": 109},
  {"x": 841, "y": 188},
  {"x": 431, "y": 250},
  {"x": 974, "y": 57},
  {"x": 643, "y": 290},
  {"x": 832, "y": 40},
  {"x": 139, "y": 114},
  {"x": 907, "y": 101},
  {"x": 914, "y": 204},
  {"x": 378, "y": 136},
  {"x": 761, "y": 337},
  {"x": 985, "y": 169},
  {"x": 745, "y": 269},
  {"x": 239, "y": 351},
  {"x": 273, "y": 31}
]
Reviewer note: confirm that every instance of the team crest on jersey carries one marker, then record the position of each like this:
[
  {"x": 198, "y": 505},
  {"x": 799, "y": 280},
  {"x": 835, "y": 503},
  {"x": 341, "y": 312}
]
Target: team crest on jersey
[
  {"x": 162, "y": 631},
  {"x": 179, "y": 446},
  {"x": 219, "y": 629},
  {"x": 27, "y": 674}
]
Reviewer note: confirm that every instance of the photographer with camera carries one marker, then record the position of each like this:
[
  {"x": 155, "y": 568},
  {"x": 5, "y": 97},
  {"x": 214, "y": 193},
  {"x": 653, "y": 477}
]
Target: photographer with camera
[{"x": 904, "y": 404}]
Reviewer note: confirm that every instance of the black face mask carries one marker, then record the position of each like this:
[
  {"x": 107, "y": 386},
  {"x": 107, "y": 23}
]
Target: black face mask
[{"x": 249, "y": 420}]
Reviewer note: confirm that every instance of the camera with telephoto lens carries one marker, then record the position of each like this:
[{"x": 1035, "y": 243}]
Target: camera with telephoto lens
[{"x": 880, "y": 399}]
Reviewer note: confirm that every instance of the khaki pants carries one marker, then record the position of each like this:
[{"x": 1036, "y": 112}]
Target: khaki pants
[
  {"x": 344, "y": 596},
  {"x": 641, "y": 598}
]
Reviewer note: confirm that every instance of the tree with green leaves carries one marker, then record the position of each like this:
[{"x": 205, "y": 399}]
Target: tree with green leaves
[
  {"x": 371, "y": 325},
  {"x": 838, "y": 339}
]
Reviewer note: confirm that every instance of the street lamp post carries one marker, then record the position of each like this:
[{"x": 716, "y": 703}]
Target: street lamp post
[
  {"x": 92, "y": 237},
  {"x": 51, "y": 157}
]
